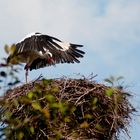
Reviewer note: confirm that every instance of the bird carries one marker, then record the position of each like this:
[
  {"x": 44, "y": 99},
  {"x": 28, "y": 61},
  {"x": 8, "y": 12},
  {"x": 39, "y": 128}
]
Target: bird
[{"x": 39, "y": 50}]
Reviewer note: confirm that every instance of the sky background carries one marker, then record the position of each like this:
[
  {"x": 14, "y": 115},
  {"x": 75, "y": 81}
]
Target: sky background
[{"x": 108, "y": 29}]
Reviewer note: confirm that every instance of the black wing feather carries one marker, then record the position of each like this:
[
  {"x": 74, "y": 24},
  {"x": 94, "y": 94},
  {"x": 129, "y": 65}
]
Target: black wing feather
[{"x": 40, "y": 63}]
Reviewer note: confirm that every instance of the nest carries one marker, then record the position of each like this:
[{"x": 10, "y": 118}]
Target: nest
[{"x": 69, "y": 109}]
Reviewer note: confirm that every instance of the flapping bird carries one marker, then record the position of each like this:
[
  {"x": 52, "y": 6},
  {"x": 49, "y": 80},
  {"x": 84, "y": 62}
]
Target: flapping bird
[{"x": 39, "y": 50}]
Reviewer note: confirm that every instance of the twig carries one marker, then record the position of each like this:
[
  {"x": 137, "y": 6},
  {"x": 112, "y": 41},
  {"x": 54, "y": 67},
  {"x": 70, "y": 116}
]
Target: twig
[{"x": 84, "y": 95}]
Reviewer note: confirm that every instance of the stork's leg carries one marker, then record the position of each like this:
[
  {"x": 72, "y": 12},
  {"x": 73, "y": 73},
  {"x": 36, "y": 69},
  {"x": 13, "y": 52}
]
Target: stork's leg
[
  {"x": 27, "y": 66},
  {"x": 26, "y": 75}
]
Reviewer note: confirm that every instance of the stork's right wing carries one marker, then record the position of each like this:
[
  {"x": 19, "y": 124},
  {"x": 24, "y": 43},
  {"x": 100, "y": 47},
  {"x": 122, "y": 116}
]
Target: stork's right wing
[{"x": 62, "y": 52}]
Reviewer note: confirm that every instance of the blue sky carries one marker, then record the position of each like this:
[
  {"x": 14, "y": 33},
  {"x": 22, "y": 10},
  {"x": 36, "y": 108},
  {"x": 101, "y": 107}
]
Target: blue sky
[{"x": 109, "y": 31}]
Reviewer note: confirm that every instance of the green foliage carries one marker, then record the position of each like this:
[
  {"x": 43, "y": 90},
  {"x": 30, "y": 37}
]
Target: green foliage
[
  {"x": 109, "y": 92},
  {"x": 37, "y": 112}
]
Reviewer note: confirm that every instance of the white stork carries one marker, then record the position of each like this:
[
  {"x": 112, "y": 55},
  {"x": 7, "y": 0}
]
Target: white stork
[{"x": 38, "y": 50}]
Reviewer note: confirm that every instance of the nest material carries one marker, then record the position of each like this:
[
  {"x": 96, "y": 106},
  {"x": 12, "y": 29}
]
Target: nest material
[{"x": 70, "y": 109}]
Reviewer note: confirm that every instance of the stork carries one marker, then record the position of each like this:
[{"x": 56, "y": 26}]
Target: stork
[{"x": 39, "y": 50}]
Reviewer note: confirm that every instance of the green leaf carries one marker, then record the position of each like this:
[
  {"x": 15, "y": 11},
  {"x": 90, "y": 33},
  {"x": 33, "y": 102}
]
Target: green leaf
[
  {"x": 95, "y": 99},
  {"x": 50, "y": 98},
  {"x": 99, "y": 127},
  {"x": 55, "y": 90},
  {"x": 20, "y": 135},
  {"x": 15, "y": 101},
  {"x": 109, "y": 92},
  {"x": 67, "y": 119},
  {"x": 47, "y": 82},
  {"x": 55, "y": 105},
  {"x": 88, "y": 116},
  {"x": 30, "y": 95},
  {"x": 32, "y": 129},
  {"x": 36, "y": 106},
  {"x": 8, "y": 114}
]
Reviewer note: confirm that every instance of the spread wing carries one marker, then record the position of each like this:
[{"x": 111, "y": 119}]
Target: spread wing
[{"x": 50, "y": 50}]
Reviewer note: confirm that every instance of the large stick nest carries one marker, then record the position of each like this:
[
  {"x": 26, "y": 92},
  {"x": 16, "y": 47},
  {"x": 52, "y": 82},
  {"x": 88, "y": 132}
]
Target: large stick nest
[{"x": 65, "y": 108}]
